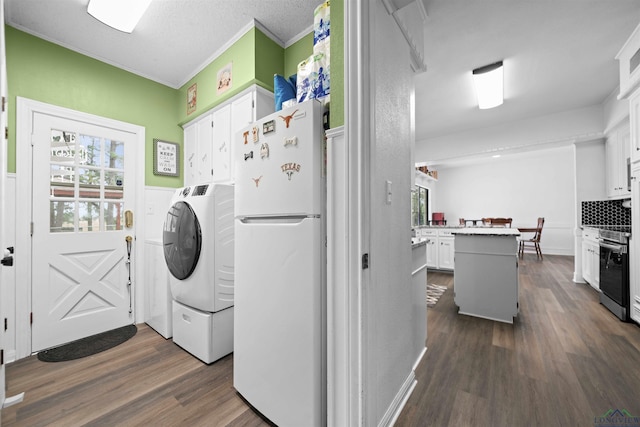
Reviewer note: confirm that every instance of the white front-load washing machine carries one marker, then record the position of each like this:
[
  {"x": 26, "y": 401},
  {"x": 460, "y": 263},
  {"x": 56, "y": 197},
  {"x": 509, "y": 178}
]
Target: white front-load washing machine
[{"x": 198, "y": 241}]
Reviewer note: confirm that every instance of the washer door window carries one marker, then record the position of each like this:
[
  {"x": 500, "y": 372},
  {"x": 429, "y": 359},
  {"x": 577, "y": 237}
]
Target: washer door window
[{"x": 182, "y": 240}]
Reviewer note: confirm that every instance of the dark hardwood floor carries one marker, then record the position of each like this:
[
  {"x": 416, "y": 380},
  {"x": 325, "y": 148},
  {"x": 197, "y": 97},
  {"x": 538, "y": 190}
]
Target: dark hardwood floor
[{"x": 563, "y": 362}]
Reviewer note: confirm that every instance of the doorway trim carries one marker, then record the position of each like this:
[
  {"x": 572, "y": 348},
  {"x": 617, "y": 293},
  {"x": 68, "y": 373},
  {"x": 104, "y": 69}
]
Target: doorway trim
[{"x": 25, "y": 110}]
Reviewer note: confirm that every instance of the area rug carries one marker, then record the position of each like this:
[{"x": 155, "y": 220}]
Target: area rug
[
  {"x": 434, "y": 292},
  {"x": 87, "y": 346}
]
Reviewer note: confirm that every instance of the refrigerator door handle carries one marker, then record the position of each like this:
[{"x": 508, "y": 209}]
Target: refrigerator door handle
[{"x": 289, "y": 219}]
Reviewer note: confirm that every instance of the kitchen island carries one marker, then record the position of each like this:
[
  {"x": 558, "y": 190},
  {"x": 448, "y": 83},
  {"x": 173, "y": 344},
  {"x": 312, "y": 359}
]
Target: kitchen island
[{"x": 485, "y": 283}]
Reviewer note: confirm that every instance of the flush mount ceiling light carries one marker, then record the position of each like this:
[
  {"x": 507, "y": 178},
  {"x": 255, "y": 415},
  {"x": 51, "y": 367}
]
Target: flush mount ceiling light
[
  {"x": 489, "y": 85},
  {"x": 123, "y": 15}
]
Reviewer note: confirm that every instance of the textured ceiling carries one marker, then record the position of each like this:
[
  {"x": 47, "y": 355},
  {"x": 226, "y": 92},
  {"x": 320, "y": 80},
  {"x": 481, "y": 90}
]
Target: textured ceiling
[
  {"x": 174, "y": 39},
  {"x": 558, "y": 54}
]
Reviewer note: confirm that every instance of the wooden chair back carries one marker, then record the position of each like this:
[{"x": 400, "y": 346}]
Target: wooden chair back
[
  {"x": 500, "y": 222},
  {"x": 538, "y": 234}
]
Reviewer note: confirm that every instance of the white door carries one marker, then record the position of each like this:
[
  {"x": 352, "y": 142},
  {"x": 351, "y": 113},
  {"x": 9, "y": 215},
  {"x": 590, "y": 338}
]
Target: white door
[
  {"x": 83, "y": 183},
  {"x": 190, "y": 151},
  {"x": 204, "y": 150},
  {"x": 3, "y": 171},
  {"x": 221, "y": 162}
]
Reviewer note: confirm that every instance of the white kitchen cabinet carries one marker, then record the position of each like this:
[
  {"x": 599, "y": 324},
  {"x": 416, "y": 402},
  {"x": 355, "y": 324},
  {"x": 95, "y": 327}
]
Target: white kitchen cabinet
[
  {"x": 486, "y": 280},
  {"x": 204, "y": 162},
  {"x": 209, "y": 139},
  {"x": 630, "y": 89},
  {"x": 221, "y": 140},
  {"x": 440, "y": 248},
  {"x": 634, "y": 245},
  {"x": 446, "y": 251},
  {"x": 189, "y": 158},
  {"x": 617, "y": 152},
  {"x": 634, "y": 118},
  {"x": 591, "y": 257}
]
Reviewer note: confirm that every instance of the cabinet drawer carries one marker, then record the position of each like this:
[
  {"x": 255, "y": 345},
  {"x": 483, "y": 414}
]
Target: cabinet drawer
[
  {"x": 429, "y": 232},
  {"x": 445, "y": 233}
]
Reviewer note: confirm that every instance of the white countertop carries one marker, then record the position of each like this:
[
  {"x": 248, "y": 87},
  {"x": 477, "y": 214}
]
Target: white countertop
[
  {"x": 415, "y": 243},
  {"x": 486, "y": 231}
]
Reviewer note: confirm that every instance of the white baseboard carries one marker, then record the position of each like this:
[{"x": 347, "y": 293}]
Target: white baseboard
[{"x": 394, "y": 410}]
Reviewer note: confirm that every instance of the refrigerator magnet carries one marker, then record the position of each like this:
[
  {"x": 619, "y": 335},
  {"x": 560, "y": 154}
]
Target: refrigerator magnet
[
  {"x": 248, "y": 156},
  {"x": 264, "y": 150},
  {"x": 254, "y": 132},
  {"x": 268, "y": 127},
  {"x": 246, "y": 137},
  {"x": 288, "y": 118},
  {"x": 292, "y": 140},
  {"x": 257, "y": 180},
  {"x": 290, "y": 168}
]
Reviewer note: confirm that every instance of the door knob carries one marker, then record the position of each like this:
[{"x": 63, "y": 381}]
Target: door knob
[{"x": 7, "y": 260}]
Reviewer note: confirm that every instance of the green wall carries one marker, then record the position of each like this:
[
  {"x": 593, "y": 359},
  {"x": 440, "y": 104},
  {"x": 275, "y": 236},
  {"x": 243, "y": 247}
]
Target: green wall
[
  {"x": 49, "y": 73},
  {"x": 255, "y": 59},
  {"x": 297, "y": 52},
  {"x": 269, "y": 60},
  {"x": 337, "y": 63}
]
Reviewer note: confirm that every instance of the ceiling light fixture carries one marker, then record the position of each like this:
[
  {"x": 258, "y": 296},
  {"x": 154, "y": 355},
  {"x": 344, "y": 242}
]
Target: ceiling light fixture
[
  {"x": 123, "y": 15},
  {"x": 489, "y": 85}
]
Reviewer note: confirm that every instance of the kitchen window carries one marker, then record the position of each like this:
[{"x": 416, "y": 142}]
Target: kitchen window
[{"x": 419, "y": 206}]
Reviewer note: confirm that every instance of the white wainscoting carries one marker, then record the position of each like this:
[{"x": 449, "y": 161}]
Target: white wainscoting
[{"x": 157, "y": 203}]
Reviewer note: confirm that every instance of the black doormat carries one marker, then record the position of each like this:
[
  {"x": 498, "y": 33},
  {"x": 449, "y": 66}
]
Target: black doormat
[{"x": 87, "y": 346}]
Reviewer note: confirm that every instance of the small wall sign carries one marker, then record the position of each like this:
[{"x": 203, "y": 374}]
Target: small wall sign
[
  {"x": 192, "y": 98},
  {"x": 166, "y": 158},
  {"x": 225, "y": 79}
]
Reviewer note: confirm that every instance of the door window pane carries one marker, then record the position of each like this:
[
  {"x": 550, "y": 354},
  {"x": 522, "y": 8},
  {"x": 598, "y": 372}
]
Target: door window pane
[
  {"x": 114, "y": 178},
  {"x": 88, "y": 216},
  {"x": 89, "y": 150},
  {"x": 63, "y": 146},
  {"x": 114, "y": 158},
  {"x": 88, "y": 173},
  {"x": 62, "y": 173},
  {"x": 113, "y": 216},
  {"x": 61, "y": 216}
]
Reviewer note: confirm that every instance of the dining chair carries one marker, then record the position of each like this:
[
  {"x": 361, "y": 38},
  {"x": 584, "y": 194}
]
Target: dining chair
[
  {"x": 532, "y": 243},
  {"x": 503, "y": 222}
]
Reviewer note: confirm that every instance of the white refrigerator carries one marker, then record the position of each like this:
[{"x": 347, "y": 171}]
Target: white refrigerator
[{"x": 280, "y": 283}]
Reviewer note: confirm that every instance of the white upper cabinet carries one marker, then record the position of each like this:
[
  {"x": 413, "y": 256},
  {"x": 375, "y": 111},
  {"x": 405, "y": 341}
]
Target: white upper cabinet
[
  {"x": 189, "y": 162},
  {"x": 221, "y": 135},
  {"x": 629, "y": 60},
  {"x": 208, "y": 140},
  {"x": 617, "y": 153},
  {"x": 634, "y": 118},
  {"x": 204, "y": 164}
]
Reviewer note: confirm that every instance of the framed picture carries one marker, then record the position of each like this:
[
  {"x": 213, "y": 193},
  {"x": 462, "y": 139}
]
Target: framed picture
[
  {"x": 192, "y": 98},
  {"x": 166, "y": 158},
  {"x": 225, "y": 78}
]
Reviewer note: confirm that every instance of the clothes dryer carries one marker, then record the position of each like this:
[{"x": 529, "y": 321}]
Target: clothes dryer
[{"x": 198, "y": 241}]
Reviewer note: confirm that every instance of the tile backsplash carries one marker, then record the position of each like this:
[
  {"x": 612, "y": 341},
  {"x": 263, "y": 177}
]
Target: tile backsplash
[{"x": 605, "y": 212}]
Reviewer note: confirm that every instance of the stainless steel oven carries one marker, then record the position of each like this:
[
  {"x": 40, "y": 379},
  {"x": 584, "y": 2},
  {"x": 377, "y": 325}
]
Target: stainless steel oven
[{"x": 614, "y": 272}]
